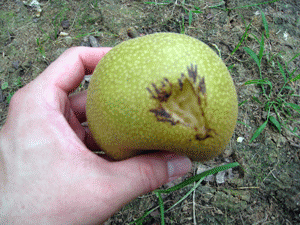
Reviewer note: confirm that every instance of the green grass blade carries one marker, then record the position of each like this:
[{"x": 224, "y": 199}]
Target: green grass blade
[
  {"x": 196, "y": 11},
  {"x": 292, "y": 73},
  {"x": 246, "y": 125},
  {"x": 242, "y": 103},
  {"x": 296, "y": 78},
  {"x": 256, "y": 38},
  {"x": 155, "y": 3},
  {"x": 261, "y": 49},
  {"x": 258, "y": 131},
  {"x": 140, "y": 220},
  {"x": 231, "y": 67},
  {"x": 190, "y": 18},
  {"x": 282, "y": 72},
  {"x": 293, "y": 131},
  {"x": 261, "y": 82},
  {"x": 258, "y": 81},
  {"x": 256, "y": 99},
  {"x": 187, "y": 194},
  {"x": 288, "y": 87},
  {"x": 270, "y": 85},
  {"x": 162, "y": 208},
  {"x": 242, "y": 39},
  {"x": 275, "y": 122},
  {"x": 198, "y": 177},
  {"x": 265, "y": 22},
  {"x": 294, "y": 57},
  {"x": 294, "y": 106},
  {"x": 253, "y": 55}
]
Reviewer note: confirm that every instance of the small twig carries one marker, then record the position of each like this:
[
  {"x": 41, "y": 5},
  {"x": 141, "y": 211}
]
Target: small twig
[
  {"x": 194, "y": 204},
  {"x": 243, "y": 188},
  {"x": 295, "y": 145}
]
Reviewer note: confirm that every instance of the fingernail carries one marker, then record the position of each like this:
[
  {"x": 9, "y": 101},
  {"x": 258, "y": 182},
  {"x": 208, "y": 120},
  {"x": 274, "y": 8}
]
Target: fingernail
[{"x": 178, "y": 166}]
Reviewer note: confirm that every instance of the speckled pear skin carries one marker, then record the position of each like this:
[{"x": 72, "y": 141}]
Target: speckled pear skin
[{"x": 163, "y": 91}]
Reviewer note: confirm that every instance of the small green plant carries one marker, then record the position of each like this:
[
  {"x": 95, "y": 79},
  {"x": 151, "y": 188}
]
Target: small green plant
[
  {"x": 18, "y": 82},
  {"x": 198, "y": 178},
  {"x": 41, "y": 48},
  {"x": 273, "y": 102},
  {"x": 11, "y": 90},
  {"x": 10, "y": 94},
  {"x": 4, "y": 85}
]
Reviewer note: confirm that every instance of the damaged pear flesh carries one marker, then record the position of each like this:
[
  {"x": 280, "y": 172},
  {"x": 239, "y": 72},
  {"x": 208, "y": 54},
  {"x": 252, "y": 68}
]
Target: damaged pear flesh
[
  {"x": 163, "y": 91},
  {"x": 183, "y": 104}
]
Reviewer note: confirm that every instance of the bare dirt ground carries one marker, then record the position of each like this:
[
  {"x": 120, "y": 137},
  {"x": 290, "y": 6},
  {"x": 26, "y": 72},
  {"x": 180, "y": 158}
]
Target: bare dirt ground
[{"x": 266, "y": 188}]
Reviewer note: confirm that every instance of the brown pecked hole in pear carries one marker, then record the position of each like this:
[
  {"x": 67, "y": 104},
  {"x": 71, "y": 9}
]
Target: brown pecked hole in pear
[{"x": 183, "y": 104}]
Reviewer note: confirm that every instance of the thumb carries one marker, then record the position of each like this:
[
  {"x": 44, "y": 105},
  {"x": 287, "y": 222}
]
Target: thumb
[{"x": 146, "y": 173}]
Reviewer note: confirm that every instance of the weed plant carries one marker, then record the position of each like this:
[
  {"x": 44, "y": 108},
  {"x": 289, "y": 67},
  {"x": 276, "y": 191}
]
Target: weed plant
[{"x": 273, "y": 102}]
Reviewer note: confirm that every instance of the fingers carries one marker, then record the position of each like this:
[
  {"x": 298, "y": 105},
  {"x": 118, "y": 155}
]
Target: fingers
[
  {"x": 69, "y": 69},
  {"x": 89, "y": 140},
  {"x": 146, "y": 173},
  {"x": 128, "y": 179},
  {"x": 78, "y": 103}
]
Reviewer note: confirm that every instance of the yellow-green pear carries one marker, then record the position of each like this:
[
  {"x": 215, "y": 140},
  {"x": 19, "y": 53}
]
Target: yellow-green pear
[{"x": 163, "y": 91}]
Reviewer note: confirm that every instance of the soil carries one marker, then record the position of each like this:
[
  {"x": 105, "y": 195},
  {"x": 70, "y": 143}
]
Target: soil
[{"x": 265, "y": 189}]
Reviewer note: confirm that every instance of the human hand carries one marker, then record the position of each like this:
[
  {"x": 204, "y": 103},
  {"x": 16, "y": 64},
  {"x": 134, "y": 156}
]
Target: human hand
[{"x": 47, "y": 173}]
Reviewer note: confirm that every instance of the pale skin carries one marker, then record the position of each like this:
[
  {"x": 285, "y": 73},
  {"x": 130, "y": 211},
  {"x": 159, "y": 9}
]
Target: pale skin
[{"x": 48, "y": 173}]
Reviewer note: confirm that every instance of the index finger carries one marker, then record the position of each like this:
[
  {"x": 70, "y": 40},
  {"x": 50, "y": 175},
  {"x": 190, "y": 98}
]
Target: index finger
[{"x": 69, "y": 69}]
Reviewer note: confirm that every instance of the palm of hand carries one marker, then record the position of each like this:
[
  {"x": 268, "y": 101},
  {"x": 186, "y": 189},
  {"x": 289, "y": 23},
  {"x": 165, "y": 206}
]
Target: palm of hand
[{"x": 47, "y": 172}]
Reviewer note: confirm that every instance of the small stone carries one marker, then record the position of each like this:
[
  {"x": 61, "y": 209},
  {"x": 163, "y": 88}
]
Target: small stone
[
  {"x": 240, "y": 139},
  {"x": 296, "y": 200},
  {"x": 132, "y": 32},
  {"x": 1, "y": 96},
  {"x": 65, "y": 24},
  {"x": 85, "y": 39},
  {"x": 281, "y": 141},
  {"x": 15, "y": 64},
  {"x": 68, "y": 40},
  {"x": 86, "y": 44},
  {"x": 64, "y": 34},
  {"x": 93, "y": 41},
  {"x": 155, "y": 213},
  {"x": 87, "y": 78},
  {"x": 220, "y": 177}
]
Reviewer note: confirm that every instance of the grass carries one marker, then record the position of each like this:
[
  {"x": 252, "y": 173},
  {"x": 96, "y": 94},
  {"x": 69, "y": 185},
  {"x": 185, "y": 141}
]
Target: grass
[
  {"x": 198, "y": 178},
  {"x": 190, "y": 9},
  {"x": 273, "y": 102}
]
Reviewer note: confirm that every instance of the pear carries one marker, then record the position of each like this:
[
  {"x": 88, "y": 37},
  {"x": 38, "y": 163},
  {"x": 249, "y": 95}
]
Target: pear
[{"x": 163, "y": 91}]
